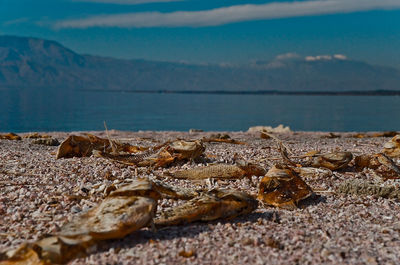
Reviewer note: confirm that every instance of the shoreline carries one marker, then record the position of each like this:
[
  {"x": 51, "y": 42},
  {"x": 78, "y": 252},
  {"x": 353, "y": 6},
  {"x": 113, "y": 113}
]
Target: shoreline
[
  {"x": 256, "y": 92},
  {"x": 189, "y": 132},
  {"x": 40, "y": 193}
]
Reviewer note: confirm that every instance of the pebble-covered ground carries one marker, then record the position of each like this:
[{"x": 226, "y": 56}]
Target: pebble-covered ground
[{"x": 38, "y": 194}]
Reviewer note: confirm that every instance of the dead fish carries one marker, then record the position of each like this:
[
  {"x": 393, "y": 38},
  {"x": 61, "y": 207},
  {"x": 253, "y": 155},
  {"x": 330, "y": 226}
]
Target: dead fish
[
  {"x": 138, "y": 187},
  {"x": 26, "y": 253},
  {"x": 161, "y": 156},
  {"x": 146, "y": 158},
  {"x": 174, "y": 192},
  {"x": 265, "y": 135},
  {"x": 60, "y": 250},
  {"x": 380, "y": 163},
  {"x": 312, "y": 172},
  {"x": 359, "y": 135},
  {"x": 385, "y": 134},
  {"x": 46, "y": 141},
  {"x": 331, "y": 135},
  {"x": 50, "y": 250},
  {"x": 186, "y": 149},
  {"x": 282, "y": 187},
  {"x": 125, "y": 210},
  {"x": 36, "y": 136},
  {"x": 10, "y": 136},
  {"x": 363, "y": 187},
  {"x": 372, "y": 135},
  {"x": 114, "y": 217},
  {"x": 80, "y": 146},
  {"x": 392, "y": 148},
  {"x": 154, "y": 189},
  {"x": 221, "y": 138},
  {"x": 212, "y": 205},
  {"x": 220, "y": 171},
  {"x": 156, "y": 158},
  {"x": 332, "y": 161}
]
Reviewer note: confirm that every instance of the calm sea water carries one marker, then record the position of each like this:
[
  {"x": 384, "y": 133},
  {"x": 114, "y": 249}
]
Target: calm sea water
[{"x": 83, "y": 110}]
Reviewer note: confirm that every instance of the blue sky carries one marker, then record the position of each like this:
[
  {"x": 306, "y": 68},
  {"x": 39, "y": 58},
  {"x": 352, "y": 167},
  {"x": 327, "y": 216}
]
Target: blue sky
[{"x": 212, "y": 31}]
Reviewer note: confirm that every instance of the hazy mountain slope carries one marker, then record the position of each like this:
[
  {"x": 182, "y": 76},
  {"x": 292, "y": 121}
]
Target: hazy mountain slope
[{"x": 30, "y": 63}]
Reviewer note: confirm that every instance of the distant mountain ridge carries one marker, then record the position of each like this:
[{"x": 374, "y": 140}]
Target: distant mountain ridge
[{"x": 31, "y": 63}]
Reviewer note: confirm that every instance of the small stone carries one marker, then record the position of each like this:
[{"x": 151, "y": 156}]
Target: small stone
[
  {"x": 247, "y": 241},
  {"x": 76, "y": 209},
  {"x": 187, "y": 254}
]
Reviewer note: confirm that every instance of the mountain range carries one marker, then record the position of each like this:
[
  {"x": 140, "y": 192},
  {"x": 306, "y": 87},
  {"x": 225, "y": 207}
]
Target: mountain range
[{"x": 32, "y": 63}]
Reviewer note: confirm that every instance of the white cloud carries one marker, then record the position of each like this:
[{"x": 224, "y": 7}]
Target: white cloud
[
  {"x": 287, "y": 56},
  {"x": 326, "y": 57},
  {"x": 318, "y": 58},
  {"x": 126, "y": 2},
  {"x": 231, "y": 14},
  {"x": 340, "y": 57},
  {"x": 16, "y": 21}
]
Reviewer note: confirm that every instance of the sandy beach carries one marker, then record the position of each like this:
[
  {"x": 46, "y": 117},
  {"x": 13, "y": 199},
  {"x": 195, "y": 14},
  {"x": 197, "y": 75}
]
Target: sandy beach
[{"x": 39, "y": 194}]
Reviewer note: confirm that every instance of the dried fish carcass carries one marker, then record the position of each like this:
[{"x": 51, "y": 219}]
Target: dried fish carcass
[
  {"x": 50, "y": 250},
  {"x": 312, "y": 172},
  {"x": 186, "y": 149},
  {"x": 220, "y": 171},
  {"x": 380, "y": 163},
  {"x": 211, "y": 205},
  {"x": 125, "y": 210},
  {"x": 161, "y": 156},
  {"x": 282, "y": 187},
  {"x": 221, "y": 138},
  {"x": 392, "y": 148},
  {"x": 46, "y": 141},
  {"x": 36, "y": 136},
  {"x": 80, "y": 146},
  {"x": 332, "y": 161},
  {"x": 10, "y": 136},
  {"x": 174, "y": 192}
]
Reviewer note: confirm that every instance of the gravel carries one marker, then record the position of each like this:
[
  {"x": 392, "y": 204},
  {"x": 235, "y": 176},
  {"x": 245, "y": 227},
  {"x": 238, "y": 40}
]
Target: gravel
[{"x": 38, "y": 194}]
